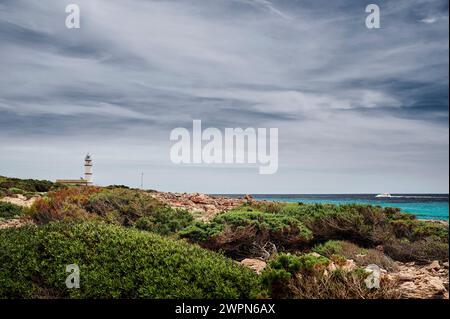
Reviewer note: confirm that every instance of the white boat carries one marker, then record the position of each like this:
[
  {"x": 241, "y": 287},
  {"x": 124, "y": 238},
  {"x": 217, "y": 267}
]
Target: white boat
[{"x": 383, "y": 195}]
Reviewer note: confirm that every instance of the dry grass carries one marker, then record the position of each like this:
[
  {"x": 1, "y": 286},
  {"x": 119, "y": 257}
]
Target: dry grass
[{"x": 340, "y": 285}]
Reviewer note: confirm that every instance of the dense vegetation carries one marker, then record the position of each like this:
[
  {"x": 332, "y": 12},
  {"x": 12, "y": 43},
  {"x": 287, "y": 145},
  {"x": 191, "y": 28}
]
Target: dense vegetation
[
  {"x": 27, "y": 187},
  {"x": 117, "y": 206},
  {"x": 115, "y": 263},
  {"x": 305, "y": 276},
  {"x": 294, "y": 227},
  {"x": 130, "y": 245},
  {"x": 9, "y": 211},
  {"x": 248, "y": 232},
  {"x": 347, "y": 250}
]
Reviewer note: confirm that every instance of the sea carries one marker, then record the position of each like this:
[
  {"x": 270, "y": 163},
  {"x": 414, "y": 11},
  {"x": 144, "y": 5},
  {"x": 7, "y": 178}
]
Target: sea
[{"x": 424, "y": 206}]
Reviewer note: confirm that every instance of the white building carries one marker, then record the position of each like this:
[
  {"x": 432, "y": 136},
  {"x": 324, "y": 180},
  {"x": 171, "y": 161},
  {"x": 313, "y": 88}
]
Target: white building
[
  {"x": 88, "y": 169},
  {"x": 87, "y": 180}
]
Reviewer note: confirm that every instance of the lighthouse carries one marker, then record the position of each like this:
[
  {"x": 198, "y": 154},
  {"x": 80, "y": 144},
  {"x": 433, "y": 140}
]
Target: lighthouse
[
  {"x": 87, "y": 180},
  {"x": 88, "y": 169}
]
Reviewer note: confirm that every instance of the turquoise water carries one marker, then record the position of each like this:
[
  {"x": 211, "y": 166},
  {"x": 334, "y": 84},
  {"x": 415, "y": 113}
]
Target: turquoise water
[{"x": 424, "y": 206}]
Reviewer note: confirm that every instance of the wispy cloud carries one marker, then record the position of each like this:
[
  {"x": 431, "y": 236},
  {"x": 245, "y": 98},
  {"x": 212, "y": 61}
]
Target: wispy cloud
[
  {"x": 341, "y": 95},
  {"x": 268, "y": 5}
]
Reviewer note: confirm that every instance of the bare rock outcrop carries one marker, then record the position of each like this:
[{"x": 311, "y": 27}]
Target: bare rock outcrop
[
  {"x": 422, "y": 282},
  {"x": 256, "y": 265},
  {"x": 203, "y": 206}
]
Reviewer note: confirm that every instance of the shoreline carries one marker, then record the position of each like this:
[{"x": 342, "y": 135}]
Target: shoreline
[{"x": 196, "y": 201}]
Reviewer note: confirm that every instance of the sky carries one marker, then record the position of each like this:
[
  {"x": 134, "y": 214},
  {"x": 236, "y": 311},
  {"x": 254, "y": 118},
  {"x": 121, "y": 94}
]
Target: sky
[{"x": 358, "y": 110}]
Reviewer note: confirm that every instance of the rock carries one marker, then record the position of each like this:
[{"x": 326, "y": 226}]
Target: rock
[
  {"x": 204, "y": 206},
  {"x": 372, "y": 267},
  {"x": 349, "y": 265},
  {"x": 331, "y": 267},
  {"x": 199, "y": 199},
  {"x": 445, "y": 265},
  {"x": 388, "y": 277},
  {"x": 254, "y": 264},
  {"x": 409, "y": 289},
  {"x": 434, "y": 265},
  {"x": 209, "y": 207},
  {"x": 422, "y": 282},
  {"x": 248, "y": 198},
  {"x": 406, "y": 276},
  {"x": 436, "y": 285},
  {"x": 315, "y": 254}
]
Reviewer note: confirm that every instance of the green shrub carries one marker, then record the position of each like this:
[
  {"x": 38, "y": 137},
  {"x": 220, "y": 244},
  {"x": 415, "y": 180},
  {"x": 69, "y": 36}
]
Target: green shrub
[
  {"x": 422, "y": 251},
  {"x": 28, "y": 185},
  {"x": 329, "y": 248},
  {"x": 135, "y": 208},
  {"x": 404, "y": 237},
  {"x": 358, "y": 223},
  {"x": 165, "y": 221},
  {"x": 115, "y": 263},
  {"x": 340, "y": 251},
  {"x": 119, "y": 206},
  {"x": 416, "y": 230},
  {"x": 9, "y": 211},
  {"x": 18, "y": 262},
  {"x": 310, "y": 263},
  {"x": 242, "y": 233},
  {"x": 289, "y": 263},
  {"x": 15, "y": 190},
  {"x": 289, "y": 276}
]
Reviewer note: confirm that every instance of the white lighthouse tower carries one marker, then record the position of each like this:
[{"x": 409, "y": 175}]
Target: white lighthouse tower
[{"x": 88, "y": 169}]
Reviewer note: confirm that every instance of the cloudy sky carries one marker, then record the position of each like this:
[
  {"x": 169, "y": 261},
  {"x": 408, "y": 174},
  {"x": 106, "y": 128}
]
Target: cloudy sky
[{"x": 358, "y": 110}]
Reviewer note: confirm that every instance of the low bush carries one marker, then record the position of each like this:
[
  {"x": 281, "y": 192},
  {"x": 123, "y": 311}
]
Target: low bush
[
  {"x": 165, "y": 221},
  {"x": 303, "y": 277},
  {"x": 114, "y": 262},
  {"x": 243, "y": 233},
  {"x": 27, "y": 185},
  {"x": 404, "y": 237},
  {"x": 15, "y": 190},
  {"x": 362, "y": 256},
  {"x": 357, "y": 223},
  {"x": 417, "y": 230},
  {"x": 116, "y": 206},
  {"x": 64, "y": 204},
  {"x": 421, "y": 251},
  {"x": 329, "y": 248},
  {"x": 9, "y": 211}
]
